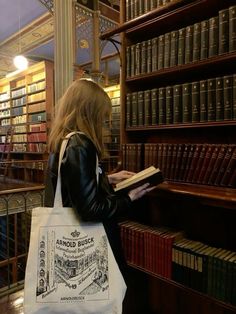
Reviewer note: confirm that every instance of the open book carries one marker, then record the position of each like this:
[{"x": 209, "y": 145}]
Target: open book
[{"x": 150, "y": 175}]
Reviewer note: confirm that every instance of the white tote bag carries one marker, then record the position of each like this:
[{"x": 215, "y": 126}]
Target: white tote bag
[{"x": 70, "y": 267}]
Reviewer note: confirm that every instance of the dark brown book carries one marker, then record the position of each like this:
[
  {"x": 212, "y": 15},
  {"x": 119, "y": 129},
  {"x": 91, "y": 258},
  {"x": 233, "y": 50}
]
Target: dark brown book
[
  {"x": 211, "y": 99},
  {"x": 203, "y": 101},
  {"x": 169, "y": 105},
  {"x": 154, "y": 53},
  {"x": 173, "y": 161},
  {"x": 147, "y": 107},
  {"x": 132, "y": 9},
  {"x": 199, "y": 164},
  {"x": 224, "y": 165},
  {"x": 232, "y": 180},
  {"x": 228, "y": 97},
  {"x": 159, "y": 156},
  {"x": 167, "y": 38},
  {"x": 153, "y": 4},
  {"x": 128, "y": 110},
  {"x": 149, "y": 56},
  {"x": 139, "y": 157},
  {"x": 164, "y": 158},
  {"x": 187, "y": 103},
  {"x": 211, "y": 163},
  {"x": 219, "y": 99},
  {"x": 232, "y": 28},
  {"x": 128, "y": 61},
  {"x": 217, "y": 164},
  {"x": 180, "y": 150},
  {"x": 132, "y": 60},
  {"x": 162, "y": 105},
  {"x": 196, "y": 41},
  {"x": 195, "y": 102},
  {"x": 138, "y": 59},
  {"x": 223, "y": 31},
  {"x": 195, "y": 159},
  {"x": 161, "y": 45},
  {"x": 234, "y": 98},
  {"x": 181, "y": 46},
  {"x": 134, "y": 109},
  {"x": 209, "y": 151},
  {"x": 123, "y": 152},
  {"x": 147, "y": 148},
  {"x": 154, "y": 106},
  {"x": 204, "y": 39},
  {"x": 177, "y": 103},
  {"x": 188, "y": 162},
  {"x": 213, "y": 36},
  {"x": 168, "y": 160},
  {"x": 140, "y": 116},
  {"x": 189, "y": 44},
  {"x": 174, "y": 48},
  {"x": 183, "y": 163},
  {"x": 144, "y": 57}
]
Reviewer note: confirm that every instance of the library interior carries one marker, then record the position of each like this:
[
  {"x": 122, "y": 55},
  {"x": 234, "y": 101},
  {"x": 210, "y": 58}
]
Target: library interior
[{"x": 168, "y": 69}]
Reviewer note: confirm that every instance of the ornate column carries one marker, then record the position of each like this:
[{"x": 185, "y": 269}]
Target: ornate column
[{"x": 64, "y": 53}]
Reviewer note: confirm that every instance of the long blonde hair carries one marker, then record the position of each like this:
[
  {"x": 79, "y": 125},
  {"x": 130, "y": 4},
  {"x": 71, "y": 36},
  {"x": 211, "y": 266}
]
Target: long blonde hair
[{"x": 84, "y": 107}]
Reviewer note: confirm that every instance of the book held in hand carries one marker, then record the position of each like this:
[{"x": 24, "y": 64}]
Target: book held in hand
[{"x": 150, "y": 175}]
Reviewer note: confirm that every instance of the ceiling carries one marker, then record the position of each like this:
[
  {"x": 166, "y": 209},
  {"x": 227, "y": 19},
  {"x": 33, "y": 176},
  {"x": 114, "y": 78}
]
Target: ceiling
[{"x": 26, "y": 26}]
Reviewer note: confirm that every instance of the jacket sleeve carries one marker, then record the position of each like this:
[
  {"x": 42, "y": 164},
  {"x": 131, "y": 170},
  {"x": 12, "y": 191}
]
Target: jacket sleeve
[{"x": 80, "y": 187}]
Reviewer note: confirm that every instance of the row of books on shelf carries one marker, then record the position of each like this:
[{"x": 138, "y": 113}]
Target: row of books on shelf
[
  {"x": 20, "y": 138},
  {"x": 135, "y": 8},
  {"x": 19, "y": 101},
  {"x": 208, "y": 100},
  {"x": 24, "y": 147},
  {"x": 31, "y": 164},
  {"x": 209, "y": 164},
  {"x": 4, "y": 105},
  {"x": 195, "y": 42},
  {"x": 168, "y": 253},
  {"x": 20, "y": 91}
]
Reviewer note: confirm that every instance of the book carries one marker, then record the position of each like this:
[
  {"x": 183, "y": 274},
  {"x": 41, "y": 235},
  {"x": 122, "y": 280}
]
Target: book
[
  {"x": 150, "y": 175},
  {"x": 174, "y": 48},
  {"x": 181, "y": 46},
  {"x": 213, "y": 36},
  {"x": 204, "y": 39},
  {"x": 189, "y": 44},
  {"x": 232, "y": 28},
  {"x": 223, "y": 31},
  {"x": 219, "y": 99},
  {"x": 203, "y": 101},
  {"x": 228, "y": 96},
  {"x": 177, "y": 103},
  {"x": 196, "y": 41}
]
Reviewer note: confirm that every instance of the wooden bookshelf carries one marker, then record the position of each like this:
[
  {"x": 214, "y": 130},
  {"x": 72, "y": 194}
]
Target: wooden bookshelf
[{"x": 205, "y": 212}]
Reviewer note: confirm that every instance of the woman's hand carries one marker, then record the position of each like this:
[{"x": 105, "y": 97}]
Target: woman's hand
[
  {"x": 139, "y": 192},
  {"x": 117, "y": 177}
]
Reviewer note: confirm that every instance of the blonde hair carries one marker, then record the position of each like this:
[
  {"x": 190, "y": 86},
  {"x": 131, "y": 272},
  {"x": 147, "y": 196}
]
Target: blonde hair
[{"x": 84, "y": 107}]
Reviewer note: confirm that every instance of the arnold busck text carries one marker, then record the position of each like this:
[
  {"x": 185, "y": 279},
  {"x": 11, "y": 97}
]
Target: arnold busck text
[{"x": 77, "y": 243}]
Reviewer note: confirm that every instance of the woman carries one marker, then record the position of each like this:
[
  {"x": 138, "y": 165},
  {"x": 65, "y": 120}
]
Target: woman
[{"x": 85, "y": 107}]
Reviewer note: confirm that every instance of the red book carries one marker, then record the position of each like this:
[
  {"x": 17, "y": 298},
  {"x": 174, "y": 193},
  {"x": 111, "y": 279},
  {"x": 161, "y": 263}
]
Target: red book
[
  {"x": 173, "y": 162},
  {"x": 232, "y": 180},
  {"x": 209, "y": 151},
  {"x": 224, "y": 165},
  {"x": 199, "y": 163},
  {"x": 217, "y": 164},
  {"x": 211, "y": 164},
  {"x": 196, "y": 155},
  {"x": 183, "y": 162},
  {"x": 229, "y": 170},
  {"x": 180, "y": 150},
  {"x": 189, "y": 160}
]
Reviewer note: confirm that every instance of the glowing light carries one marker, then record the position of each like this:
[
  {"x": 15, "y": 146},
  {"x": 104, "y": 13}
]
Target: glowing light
[{"x": 20, "y": 62}]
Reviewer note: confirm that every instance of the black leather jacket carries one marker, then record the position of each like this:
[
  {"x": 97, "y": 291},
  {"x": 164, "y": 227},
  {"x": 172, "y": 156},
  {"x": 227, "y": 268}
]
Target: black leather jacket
[{"x": 94, "y": 202}]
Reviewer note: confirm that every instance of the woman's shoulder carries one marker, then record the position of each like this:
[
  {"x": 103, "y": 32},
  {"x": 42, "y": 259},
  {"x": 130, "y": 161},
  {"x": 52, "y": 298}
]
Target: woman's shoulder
[{"x": 81, "y": 141}]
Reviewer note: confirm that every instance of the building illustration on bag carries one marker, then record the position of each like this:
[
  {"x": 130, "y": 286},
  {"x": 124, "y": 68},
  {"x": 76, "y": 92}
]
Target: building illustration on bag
[{"x": 71, "y": 267}]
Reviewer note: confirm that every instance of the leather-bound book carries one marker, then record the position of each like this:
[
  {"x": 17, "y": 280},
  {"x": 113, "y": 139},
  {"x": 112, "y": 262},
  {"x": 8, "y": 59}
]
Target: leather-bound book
[
  {"x": 187, "y": 103},
  {"x": 162, "y": 105},
  {"x": 140, "y": 116},
  {"x": 224, "y": 165},
  {"x": 232, "y": 28},
  {"x": 144, "y": 57},
  {"x": 154, "y": 106},
  {"x": 174, "y": 48},
  {"x": 169, "y": 105},
  {"x": 213, "y": 36},
  {"x": 203, "y": 101},
  {"x": 228, "y": 97},
  {"x": 223, "y": 31},
  {"x": 211, "y": 164},
  {"x": 177, "y": 103},
  {"x": 138, "y": 59},
  {"x": 132, "y": 60},
  {"x": 211, "y": 99},
  {"x": 134, "y": 109},
  {"x": 128, "y": 62},
  {"x": 181, "y": 46},
  {"x": 149, "y": 56},
  {"x": 217, "y": 164},
  {"x": 161, "y": 45},
  {"x": 196, "y": 41},
  {"x": 219, "y": 99},
  {"x": 128, "y": 110},
  {"x": 189, "y": 44},
  {"x": 234, "y": 98},
  {"x": 195, "y": 102},
  {"x": 154, "y": 53},
  {"x": 204, "y": 39},
  {"x": 167, "y": 38},
  {"x": 147, "y": 107}
]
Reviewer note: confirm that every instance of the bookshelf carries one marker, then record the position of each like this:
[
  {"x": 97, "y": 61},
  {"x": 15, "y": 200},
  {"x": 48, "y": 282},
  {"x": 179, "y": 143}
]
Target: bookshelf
[
  {"x": 26, "y": 103},
  {"x": 158, "y": 118}
]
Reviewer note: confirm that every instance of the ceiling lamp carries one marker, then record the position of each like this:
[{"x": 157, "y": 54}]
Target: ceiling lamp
[{"x": 20, "y": 62}]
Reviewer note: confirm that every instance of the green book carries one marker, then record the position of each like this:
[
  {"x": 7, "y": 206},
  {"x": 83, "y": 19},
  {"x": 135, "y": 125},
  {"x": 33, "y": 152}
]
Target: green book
[
  {"x": 128, "y": 110},
  {"x": 232, "y": 28},
  {"x": 140, "y": 116},
  {"x": 132, "y": 60},
  {"x": 144, "y": 57},
  {"x": 147, "y": 107},
  {"x": 177, "y": 103},
  {"x": 228, "y": 97},
  {"x": 161, "y": 52},
  {"x": 189, "y": 44},
  {"x": 127, "y": 10},
  {"x": 203, "y": 101},
  {"x": 162, "y": 105},
  {"x": 149, "y": 56},
  {"x": 154, "y": 53},
  {"x": 134, "y": 108},
  {"x": 138, "y": 59},
  {"x": 174, "y": 48},
  {"x": 181, "y": 46},
  {"x": 128, "y": 62},
  {"x": 210, "y": 279},
  {"x": 211, "y": 99},
  {"x": 154, "y": 106},
  {"x": 196, "y": 41},
  {"x": 204, "y": 39},
  {"x": 219, "y": 99},
  {"x": 195, "y": 102},
  {"x": 213, "y": 36},
  {"x": 141, "y": 7},
  {"x": 223, "y": 31},
  {"x": 234, "y": 97},
  {"x": 167, "y": 38},
  {"x": 169, "y": 105},
  {"x": 187, "y": 103},
  {"x": 230, "y": 279}
]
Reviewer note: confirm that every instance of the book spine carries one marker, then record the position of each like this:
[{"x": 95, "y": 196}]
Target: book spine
[
  {"x": 217, "y": 164},
  {"x": 141, "y": 7},
  {"x": 177, "y": 103},
  {"x": 167, "y": 38},
  {"x": 161, "y": 46},
  {"x": 132, "y": 60},
  {"x": 140, "y": 117},
  {"x": 154, "y": 106},
  {"x": 136, "y": 8},
  {"x": 195, "y": 102},
  {"x": 163, "y": 162},
  {"x": 134, "y": 108},
  {"x": 234, "y": 98},
  {"x": 223, "y": 31},
  {"x": 154, "y": 53},
  {"x": 128, "y": 61},
  {"x": 138, "y": 59},
  {"x": 211, "y": 99},
  {"x": 127, "y": 10},
  {"x": 153, "y": 4},
  {"x": 162, "y": 105},
  {"x": 183, "y": 162},
  {"x": 219, "y": 99},
  {"x": 189, "y": 44},
  {"x": 146, "y": 6},
  {"x": 180, "y": 150},
  {"x": 204, "y": 39},
  {"x": 203, "y": 101},
  {"x": 144, "y": 57},
  {"x": 232, "y": 28},
  {"x": 188, "y": 162},
  {"x": 147, "y": 107},
  {"x": 199, "y": 164},
  {"x": 169, "y": 105},
  {"x": 228, "y": 97},
  {"x": 173, "y": 161},
  {"x": 209, "y": 150},
  {"x": 213, "y": 36},
  {"x": 187, "y": 105},
  {"x": 229, "y": 170},
  {"x": 168, "y": 160},
  {"x": 149, "y": 56},
  {"x": 128, "y": 110},
  {"x": 196, "y": 155},
  {"x": 232, "y": 180},
  {"x": 181, "y": 46},
  {"x": 211, "y": 164},
  {"x": 174, "y": 48},
  {"x": 196, "y": 41},
  {"x": 223, "y": 166}
]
